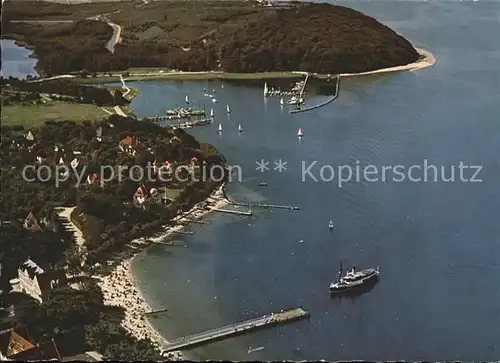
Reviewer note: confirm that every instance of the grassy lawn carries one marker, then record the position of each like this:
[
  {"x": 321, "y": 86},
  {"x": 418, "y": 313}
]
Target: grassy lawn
[
  {"x": 155, "y": 76},
  {"x": 33, "y": 115}
]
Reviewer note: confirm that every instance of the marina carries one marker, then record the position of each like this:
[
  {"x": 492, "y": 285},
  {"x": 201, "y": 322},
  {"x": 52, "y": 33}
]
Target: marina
[
  {"x": 281, "y": 317},
  {"x": 331, "y": 99}
]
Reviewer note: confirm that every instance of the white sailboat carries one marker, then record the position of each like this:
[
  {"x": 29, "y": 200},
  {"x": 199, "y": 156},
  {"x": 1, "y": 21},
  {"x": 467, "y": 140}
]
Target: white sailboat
[
  {"x": 227, "y": 109},
  {"x": 187, "y": 99},
  {"x": 211, "y": 112},
  {"x": 266, "y": 91},
  {"x": 240, "y": 128},
  {"x": 282, "y": 102},
  {"x": 299, "y": 133},
  {"x": 220, "y": 127}
]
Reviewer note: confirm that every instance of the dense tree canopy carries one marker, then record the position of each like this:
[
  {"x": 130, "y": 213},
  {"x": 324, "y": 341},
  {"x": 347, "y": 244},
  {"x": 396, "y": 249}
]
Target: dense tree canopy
[{"x": 206, "y": 35}]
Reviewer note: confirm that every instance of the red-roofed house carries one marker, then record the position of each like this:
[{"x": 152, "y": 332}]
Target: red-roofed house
[
  {"x": 12, "y": 343},
  {"x": 93, "y": 178},
  {"x": 41, "y": 352},
  {"x": 141, "y": 196},
  {"x": 128, "y": 145}
]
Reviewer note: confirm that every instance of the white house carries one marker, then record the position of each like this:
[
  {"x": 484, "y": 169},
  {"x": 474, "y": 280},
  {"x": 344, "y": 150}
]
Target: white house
[{"x": 35, "y": 282}]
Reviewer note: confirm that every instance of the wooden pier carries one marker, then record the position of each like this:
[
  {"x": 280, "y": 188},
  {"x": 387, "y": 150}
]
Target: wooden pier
[
  {"x": 321, "y": 104},
  {"x": 189, "y": 233},
  {"x": 270, "y": 206},
  {"x": 249, "y": 213},
  {"x": 156, "y": 312},
  {"x": 284, "y": 316}
]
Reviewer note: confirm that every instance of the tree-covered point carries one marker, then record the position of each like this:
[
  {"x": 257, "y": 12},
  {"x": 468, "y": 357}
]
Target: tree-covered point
[
  {"x": 231, "y": 36},
  {"x": 12, "y": 88}
]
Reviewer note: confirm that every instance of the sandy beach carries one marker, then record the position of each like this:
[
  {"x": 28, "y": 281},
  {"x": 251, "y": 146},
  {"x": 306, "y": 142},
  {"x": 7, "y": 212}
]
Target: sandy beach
[
  {"x": 427, "y": 59},
  {"x": 119, "y": 288}
]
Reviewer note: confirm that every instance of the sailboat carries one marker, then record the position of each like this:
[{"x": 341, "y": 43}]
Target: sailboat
[
  {"x": 266, "y": 91},
  {"x": 240, "y": 129},
  {"x": 330, "y": 225},
  {"x": 299, "y": 133},
  {"x": 227, "y": 109},
  {"x": 211, "y": 112},
  {"x": 220, "y": 127},
  {"x": 282, "y": 102},
  {"x": 187, "y": 99}
]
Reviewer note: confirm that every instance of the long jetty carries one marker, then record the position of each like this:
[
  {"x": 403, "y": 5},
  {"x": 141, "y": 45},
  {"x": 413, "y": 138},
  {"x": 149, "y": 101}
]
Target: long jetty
[
  {"x": 270, "y": 206},
  {"x": 249, "y": 213},
  {"x": 156, "y": 312},
  {"x": 321, "y": 104},
  {"x": 284, "y": 316}
]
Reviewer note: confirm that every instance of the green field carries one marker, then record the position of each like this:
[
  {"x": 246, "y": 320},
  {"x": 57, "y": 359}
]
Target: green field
[
  {"x": 33, "y": 115},
  {"x": 175, "y": 76}
]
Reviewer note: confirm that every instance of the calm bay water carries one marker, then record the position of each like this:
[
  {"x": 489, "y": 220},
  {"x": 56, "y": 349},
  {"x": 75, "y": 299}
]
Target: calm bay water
[
  {"x": 437, "y": 244},
  {"x": 16, "y": 61}
]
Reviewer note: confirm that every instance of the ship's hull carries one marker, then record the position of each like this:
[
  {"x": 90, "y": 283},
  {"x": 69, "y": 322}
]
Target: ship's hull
[{"x": 352, "y": 286}]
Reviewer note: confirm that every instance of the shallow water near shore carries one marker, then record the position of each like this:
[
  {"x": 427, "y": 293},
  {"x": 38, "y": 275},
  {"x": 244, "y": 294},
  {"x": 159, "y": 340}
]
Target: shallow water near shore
[
  {"x": 16, "y": 61},
  {"x": 437, "y": 244}
]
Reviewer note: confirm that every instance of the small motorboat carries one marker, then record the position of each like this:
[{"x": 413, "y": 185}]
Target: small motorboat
[
  {"x": 240, "y": 128},
  {"x": 220, "y": 128},
  {"x": 300, "y": 133},
  {"x": 262, "y": 184}
]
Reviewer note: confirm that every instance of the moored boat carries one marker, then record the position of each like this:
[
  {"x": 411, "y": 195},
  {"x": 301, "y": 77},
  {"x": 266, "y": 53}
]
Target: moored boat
[{"x": 354, "y": 279}]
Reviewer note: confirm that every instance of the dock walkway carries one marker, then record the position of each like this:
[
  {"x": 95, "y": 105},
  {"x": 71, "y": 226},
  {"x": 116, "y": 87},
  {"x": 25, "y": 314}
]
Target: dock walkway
[
  {"x": 283, "y": 316},
  {"x": 321, "y": 104}
]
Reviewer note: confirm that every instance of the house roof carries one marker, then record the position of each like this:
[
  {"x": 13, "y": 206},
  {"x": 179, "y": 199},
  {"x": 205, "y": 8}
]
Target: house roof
[
  {"x": 45, "y": 279},
  {"x": 142, "y": 191},
  {"x": 85, "y": 357},
  {"x": 31, "y": 222},
  {"x": 43, "y": 351},
  {"x": 128, "y": 141},
  {"x": 94, "y": 176},
  {"x": 31, "y": 268},
  {"x": 12, "y": 343}
]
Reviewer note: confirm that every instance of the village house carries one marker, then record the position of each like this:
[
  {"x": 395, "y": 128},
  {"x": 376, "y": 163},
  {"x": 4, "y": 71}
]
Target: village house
[
  {"x": 14, "y": 347},
  {"x": 34, "y": 281},
  {"x": 141, "y": 196},
  {"x": 30, "y": 136},
  {"x": 164, "y": 167},
  {"x": 12, "y": 343},
  {"x": 128, "y": 145},
  {"x": 93, "y": 178},
  {"x": 31, "y": 223},
  {"x": 85, "y": 357},
  {"x": 41, "y": 352}
]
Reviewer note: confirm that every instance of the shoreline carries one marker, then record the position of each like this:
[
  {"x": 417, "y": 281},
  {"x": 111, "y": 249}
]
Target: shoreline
[
  {"x": 120, "y": 287},
  {"x": 427, "y": 59}
]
